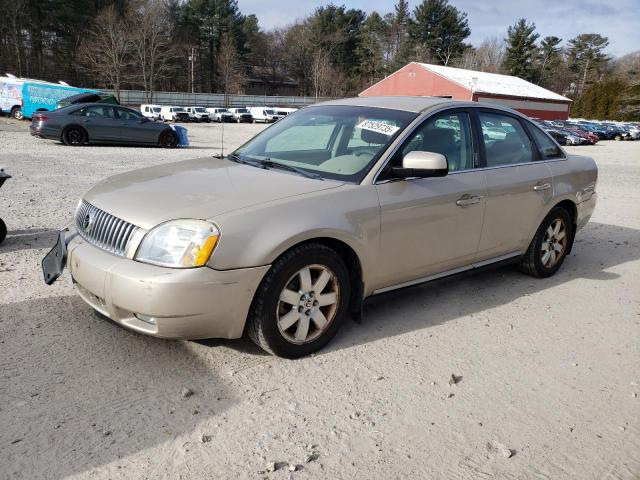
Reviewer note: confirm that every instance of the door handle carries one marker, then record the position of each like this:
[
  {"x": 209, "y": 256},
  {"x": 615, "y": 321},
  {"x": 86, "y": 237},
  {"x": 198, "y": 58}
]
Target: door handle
[
  {"x": 542, "y": 186},
  {"x": 466, "y": 200}
]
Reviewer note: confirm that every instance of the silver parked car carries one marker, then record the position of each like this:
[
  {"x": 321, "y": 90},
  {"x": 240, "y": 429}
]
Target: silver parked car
[{"x": 286, "y": 236}]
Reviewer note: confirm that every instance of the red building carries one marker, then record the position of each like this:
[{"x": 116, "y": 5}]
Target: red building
[{"x": 422, "y": 79}]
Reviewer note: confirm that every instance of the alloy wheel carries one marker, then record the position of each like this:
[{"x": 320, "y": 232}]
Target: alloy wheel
[
  {"x": 308, "y": 304},
  {"x": 554, "y": 243}
]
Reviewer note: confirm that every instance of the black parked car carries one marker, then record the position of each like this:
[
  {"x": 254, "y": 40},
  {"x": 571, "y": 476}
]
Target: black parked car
[
  {"x": 101, "y": 123},
  {"x": 560, "y": 137}
]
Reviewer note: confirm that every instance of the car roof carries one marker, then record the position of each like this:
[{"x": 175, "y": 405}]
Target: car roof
[{"x": 409, "y": 104}]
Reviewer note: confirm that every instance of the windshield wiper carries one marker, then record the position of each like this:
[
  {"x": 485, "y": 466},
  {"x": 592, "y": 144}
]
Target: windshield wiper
[
  {"x": 268, "y": 163},
  {"x": 236, "y": 158}
]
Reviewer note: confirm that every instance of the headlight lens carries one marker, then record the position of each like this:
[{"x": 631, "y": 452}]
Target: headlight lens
[{"x": 179, "y": 244}]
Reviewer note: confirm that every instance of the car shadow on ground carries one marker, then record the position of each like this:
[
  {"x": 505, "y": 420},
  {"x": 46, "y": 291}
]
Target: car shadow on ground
[
  {"x": 78, "y": 392},
  {"x": 598, "y": 248},
  {"x": 29, "y": 239}
]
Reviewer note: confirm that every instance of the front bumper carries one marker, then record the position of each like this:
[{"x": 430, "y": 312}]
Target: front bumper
[{"x": 189, "y": 304}]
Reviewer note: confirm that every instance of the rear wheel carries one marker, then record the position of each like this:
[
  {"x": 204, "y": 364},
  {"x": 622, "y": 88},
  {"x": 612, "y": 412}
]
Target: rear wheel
[
  {"x": 74, "y": 136},
  {"x": 16, "y": 112},
  {"x": 3, "y": 230},
  {"x": 549, "y": 246},
  {"x": 301, "y": 302},
  {"x": 168, "y": 139}
]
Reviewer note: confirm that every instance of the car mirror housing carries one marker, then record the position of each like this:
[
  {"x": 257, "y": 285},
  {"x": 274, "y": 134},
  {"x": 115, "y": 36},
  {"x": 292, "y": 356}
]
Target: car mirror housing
[{"x": 422, "y": 165}]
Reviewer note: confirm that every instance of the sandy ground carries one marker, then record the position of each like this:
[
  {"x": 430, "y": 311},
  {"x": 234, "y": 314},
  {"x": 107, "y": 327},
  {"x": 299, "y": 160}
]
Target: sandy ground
[{"x": 548, "y": 369}]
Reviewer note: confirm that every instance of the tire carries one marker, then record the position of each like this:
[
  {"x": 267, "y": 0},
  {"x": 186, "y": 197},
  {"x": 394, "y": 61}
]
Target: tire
[
  {"x": 74, "y": 136},
  {"x": 3, "y": 231},
  {"x": 278, "y": 326},
  {"x": 168, "y": 139},
  {"x": 543, "y": 258},
  {"x": 16, "y": 112}
]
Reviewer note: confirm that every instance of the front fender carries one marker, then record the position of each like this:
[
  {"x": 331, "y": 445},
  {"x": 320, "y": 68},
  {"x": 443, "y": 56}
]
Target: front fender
[{"x": 258, "y": 235}]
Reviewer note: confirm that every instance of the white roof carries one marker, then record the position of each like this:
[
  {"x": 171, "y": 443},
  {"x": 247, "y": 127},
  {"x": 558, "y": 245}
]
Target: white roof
[{"x": 493, "y": 83}]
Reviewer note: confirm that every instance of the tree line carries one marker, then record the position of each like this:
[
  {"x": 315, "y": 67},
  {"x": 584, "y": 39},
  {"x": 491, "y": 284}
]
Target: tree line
[{"x": 211, "y": 46}]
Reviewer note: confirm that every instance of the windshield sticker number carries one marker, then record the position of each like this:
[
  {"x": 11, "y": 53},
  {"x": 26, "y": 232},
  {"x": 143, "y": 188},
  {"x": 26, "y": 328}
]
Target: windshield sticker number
[{"x": 378, "y": 127}]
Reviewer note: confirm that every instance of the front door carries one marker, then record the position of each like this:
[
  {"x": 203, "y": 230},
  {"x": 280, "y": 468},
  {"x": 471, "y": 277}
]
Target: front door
[
  {"x": 135, "y": 128},
  {"x": 432, "y": 225},
  {"x": 519, "y": 185}
]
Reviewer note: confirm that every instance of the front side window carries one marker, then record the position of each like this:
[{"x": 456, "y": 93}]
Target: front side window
[
  {"x": 548, "y": 149},
  {"x": 448, "y": 134},
  {"x": 340, "y": 142},
  {"x": 124, "y": 114},
  {"x": 505, "y": 141}
]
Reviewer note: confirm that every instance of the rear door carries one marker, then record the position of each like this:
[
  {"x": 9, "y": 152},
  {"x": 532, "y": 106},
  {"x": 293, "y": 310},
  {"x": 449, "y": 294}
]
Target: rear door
[
  {"x": 519, "y": 184},
  {"x": 101, "y": 123}
]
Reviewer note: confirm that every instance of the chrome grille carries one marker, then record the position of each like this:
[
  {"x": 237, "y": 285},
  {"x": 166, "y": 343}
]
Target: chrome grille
[{"x": 103, "y": 230}]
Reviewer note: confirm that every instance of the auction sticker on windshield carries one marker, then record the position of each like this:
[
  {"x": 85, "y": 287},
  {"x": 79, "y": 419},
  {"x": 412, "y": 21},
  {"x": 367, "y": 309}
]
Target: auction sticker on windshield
[{"x": 379, "y": 127}]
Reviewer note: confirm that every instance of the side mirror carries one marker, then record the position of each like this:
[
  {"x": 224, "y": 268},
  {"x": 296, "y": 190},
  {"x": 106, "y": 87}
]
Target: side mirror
[{"x": 422, "y": 165}]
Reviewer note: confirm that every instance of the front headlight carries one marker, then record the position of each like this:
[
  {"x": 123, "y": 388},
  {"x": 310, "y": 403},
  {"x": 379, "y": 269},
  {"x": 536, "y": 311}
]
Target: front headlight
[{"x": 179, "y": 244}]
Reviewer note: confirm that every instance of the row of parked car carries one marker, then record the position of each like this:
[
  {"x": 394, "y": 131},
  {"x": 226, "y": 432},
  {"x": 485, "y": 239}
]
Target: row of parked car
[
  {"x": 589, "y": 132},
  {"x": 173, "y": 113}
]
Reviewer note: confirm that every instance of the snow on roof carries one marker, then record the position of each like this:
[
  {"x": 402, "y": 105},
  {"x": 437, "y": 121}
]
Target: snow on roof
[{"x": 493, "y": 83}]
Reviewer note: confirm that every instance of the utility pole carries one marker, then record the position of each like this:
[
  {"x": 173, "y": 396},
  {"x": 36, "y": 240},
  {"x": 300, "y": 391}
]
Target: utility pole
[{"x": 192, "y": 59}]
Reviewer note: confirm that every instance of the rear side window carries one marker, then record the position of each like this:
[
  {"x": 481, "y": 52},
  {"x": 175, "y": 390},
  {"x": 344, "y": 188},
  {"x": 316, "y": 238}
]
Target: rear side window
[
  {"x": 505, "y": 140},
  {"x": 548, "y": 149}
]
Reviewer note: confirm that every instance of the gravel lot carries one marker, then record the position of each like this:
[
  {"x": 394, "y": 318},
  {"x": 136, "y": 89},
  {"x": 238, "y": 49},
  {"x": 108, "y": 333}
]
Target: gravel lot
[{"x": 547, "y": 371}]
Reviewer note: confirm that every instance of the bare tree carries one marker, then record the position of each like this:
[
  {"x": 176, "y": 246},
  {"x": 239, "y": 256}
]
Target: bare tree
[
  {"x": 13, "y": 15},
  {"x": 106, "y": 50},
  {"x": 151, "y": 42},
  {"x": 229, "y": 66},
  {"x": 487, "y": 57}
]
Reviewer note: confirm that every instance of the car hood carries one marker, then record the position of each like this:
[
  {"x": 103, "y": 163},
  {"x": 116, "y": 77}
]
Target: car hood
[{"x": 202, "y": 188}]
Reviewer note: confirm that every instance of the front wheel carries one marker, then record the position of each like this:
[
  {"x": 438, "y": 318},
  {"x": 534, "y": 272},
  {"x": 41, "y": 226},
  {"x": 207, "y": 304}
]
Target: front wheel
[
  {"x": 301, "y": 302},
  {"x": 74, "y": 136},
  {"x": 549, "y": 246},
  {"x": 16, "y": 113},
  {"x": 168, "y": 139}
]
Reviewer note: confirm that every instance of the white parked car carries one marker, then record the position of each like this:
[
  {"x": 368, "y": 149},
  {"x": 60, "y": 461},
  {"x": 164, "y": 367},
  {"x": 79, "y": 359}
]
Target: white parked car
[
  {"x": 198, "y": 114},
  {"x": 220, "y": 114},
  {"x": 173, "y": 114},
  {"x": 241, "y": 114},
  {"x": 264, "y": 114},
  {"x": 151, "y": 112},
  {"x": 285, "y": 111}
]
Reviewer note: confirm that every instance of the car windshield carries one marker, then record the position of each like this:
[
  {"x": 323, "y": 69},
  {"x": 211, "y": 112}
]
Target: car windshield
[
  {"x": 269, "y": 112},
  {"x": 156, "y": 109},
  {"x": 178, "y": 109},
  {"x": 199, "y": 109},
  {"x": 222, "y": 110},
  {"x": 339, "y": 142},
  {"x": 242, "y": 110}
]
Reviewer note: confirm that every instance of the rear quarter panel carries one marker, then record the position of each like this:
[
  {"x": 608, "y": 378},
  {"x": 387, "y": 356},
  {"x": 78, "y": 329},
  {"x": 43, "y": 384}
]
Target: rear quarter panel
[{"x": 575, "y": 178}]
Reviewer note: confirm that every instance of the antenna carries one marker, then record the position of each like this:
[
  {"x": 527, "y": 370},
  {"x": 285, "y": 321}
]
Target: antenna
[{"x": 222, "y": 136}]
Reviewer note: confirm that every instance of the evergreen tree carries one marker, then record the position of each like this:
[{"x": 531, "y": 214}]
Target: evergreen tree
[
  {"x": 521, "y": 50},
  {"x": 399, "y": 45},
  {"x": 440, "y": 30},
  {"x": 586, "y": 57}
]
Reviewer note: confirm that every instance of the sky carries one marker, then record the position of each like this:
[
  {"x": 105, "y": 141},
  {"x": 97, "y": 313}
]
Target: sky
[{"x": 619, "y": 20}]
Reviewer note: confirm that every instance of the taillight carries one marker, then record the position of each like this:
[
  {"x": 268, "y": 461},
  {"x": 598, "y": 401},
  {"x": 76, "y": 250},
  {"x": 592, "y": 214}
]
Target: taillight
[{"x": 39, "y": 117}]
